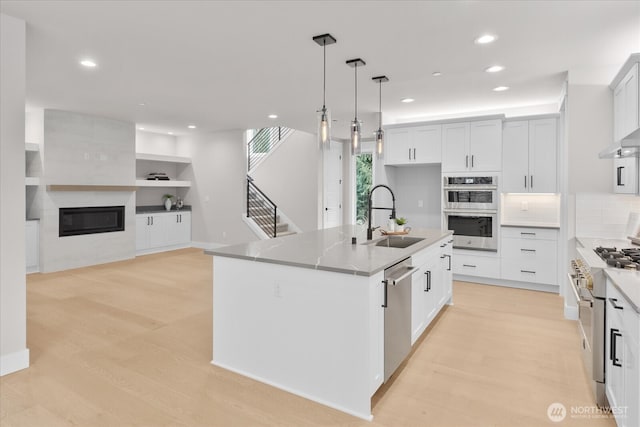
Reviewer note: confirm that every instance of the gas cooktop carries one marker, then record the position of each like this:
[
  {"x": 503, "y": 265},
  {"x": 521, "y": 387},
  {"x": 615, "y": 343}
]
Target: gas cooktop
[{"x": 628, "y": 258}]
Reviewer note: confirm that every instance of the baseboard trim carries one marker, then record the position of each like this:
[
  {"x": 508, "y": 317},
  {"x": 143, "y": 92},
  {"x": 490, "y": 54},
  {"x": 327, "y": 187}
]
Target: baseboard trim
[
  {"x": 207, "y": 245},
  {"x": 13, "y": 362},
  {"x": 555, "y": 289}
]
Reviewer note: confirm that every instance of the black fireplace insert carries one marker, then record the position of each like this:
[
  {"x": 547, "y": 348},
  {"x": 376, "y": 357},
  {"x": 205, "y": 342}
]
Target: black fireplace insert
[{"x": 91, "y": 220}]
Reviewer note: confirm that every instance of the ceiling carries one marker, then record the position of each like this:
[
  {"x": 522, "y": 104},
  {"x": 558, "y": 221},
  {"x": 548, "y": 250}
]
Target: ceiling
[{"x": 228, "y": 64}]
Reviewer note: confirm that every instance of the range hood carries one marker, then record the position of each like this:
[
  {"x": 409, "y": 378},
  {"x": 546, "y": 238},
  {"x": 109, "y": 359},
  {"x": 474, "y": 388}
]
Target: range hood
[{"x": 628, "y": 147}]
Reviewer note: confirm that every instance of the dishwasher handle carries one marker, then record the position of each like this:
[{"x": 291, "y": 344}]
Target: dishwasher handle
[{"x": 409, "y": 272}]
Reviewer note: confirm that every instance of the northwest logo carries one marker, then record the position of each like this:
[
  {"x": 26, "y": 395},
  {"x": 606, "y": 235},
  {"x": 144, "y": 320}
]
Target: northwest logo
[{"x": 556, "y": 412}]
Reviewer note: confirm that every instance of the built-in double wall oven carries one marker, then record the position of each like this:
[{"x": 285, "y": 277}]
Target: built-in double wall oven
[{"x": 471, "y": 211}]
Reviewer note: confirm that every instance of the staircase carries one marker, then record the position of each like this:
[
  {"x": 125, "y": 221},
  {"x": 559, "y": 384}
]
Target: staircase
[
  {"x": 263, "y": 142},
  {"x": 264, "y": 212}
]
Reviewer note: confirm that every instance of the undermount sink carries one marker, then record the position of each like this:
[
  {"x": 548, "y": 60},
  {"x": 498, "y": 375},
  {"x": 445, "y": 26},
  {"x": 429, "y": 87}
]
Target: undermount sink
[{"x": 397, "y": 241}]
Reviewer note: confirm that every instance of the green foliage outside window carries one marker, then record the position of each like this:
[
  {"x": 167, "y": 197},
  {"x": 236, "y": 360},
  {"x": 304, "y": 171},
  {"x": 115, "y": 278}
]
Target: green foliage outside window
[{"x": 364, "y": 173}]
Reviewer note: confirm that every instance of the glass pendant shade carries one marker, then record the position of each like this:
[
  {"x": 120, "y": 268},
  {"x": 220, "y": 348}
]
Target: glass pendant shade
[
  {"x": 324, "y": 129},
  {"x": 356, "y": 143},
  {"x": 379, "y": 144}
]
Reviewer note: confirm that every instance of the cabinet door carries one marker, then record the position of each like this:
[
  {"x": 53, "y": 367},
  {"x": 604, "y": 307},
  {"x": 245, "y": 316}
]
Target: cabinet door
[
  {"x": 543, "y": 156},
  {"x": 427, "y": 141},
  {"x": 455, "y": 147},
  {"x": 630, "y": 120},
  {"x": 618, "y": 111},
  {"x": 142, "y": 232},
  {"x": 625, "y": 176},
  {"x": 614, "y": 354},
  {"x": 178, "y": 228},
  {"x": 157, "y": 236},
  {"x": 485, "y": 146},
  {"x": 515, "y": 157},
  {"x": 397, "y": 147},
  {"x": 632, "y": 384},
  {"x": 417, "y": 304}
]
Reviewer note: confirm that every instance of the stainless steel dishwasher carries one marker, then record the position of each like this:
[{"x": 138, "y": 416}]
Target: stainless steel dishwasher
[{"x": 397, "y": 315}]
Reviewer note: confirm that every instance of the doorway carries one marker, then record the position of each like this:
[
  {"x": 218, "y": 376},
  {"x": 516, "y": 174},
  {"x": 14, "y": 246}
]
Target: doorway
[{"x": 363, "y": 184}]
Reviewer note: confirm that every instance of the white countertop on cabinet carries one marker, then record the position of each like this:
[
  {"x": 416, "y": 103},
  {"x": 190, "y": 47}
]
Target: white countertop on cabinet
[{"x": 628, "y": 283}]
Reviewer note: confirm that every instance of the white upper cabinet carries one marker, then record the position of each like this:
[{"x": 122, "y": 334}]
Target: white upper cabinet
[
  {"x": 626, "y": 112},
  {"x": 529, "y": 155},
  {"x": 625, "y": 175},
  {"x": 472, "y": 147},
  {"x": 413, "y": 145}
]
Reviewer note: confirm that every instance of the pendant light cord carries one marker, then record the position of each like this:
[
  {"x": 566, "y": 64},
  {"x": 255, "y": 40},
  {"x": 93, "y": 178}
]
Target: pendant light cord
[
  {"x": 356, "y": 74},
  {"x": 380, "y": 106},
  {"x": 324, "y": 74}
]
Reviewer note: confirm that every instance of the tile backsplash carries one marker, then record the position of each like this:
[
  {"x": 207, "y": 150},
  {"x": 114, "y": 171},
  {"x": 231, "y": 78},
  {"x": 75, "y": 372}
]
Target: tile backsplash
[{"x": 604, "y": 215}]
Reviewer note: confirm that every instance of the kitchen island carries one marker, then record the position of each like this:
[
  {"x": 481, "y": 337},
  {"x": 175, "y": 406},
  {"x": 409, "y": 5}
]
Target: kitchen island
[{"x": 305, "y": 313}]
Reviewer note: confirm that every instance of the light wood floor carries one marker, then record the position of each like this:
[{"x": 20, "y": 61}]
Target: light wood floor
[{"x": 129, "y": 344}]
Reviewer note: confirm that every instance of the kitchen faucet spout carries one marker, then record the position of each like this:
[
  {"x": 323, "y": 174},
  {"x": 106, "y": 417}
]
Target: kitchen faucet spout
[{"x": 392, "y": 209}]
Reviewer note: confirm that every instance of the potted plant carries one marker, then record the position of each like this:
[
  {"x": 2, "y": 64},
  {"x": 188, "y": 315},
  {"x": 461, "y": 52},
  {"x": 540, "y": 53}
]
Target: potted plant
[
  {"x": 400, "y": 222},
  {"x": 167, "y": 201}
]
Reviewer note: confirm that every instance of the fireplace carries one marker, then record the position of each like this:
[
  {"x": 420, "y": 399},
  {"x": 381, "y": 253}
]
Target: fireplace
[{"x": 91, "y": 220}]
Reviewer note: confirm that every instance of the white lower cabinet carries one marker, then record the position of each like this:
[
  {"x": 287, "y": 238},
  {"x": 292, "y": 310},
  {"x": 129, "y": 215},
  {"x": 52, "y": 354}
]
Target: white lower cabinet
[
  {"x": 529, "y": 255},
  {"x": 476, "y": 265},
  {"x": 625, "y": 175},
  {"x": 162, "y": 231},
  {"x": 32, "y": 246},
  {"x": 622, "y": 336},
  {"x": 431, "y": 285}
]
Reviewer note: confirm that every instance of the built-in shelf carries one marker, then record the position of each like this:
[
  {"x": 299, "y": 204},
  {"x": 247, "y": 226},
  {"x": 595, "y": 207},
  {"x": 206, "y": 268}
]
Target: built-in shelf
[
  {"x": 161, "y": 183},
  {"x": 31, "y": 146},
  {"x": 31, "y": 181},
  {"x": 67, "y": 187},
  {"x": 162, "y": 158}
]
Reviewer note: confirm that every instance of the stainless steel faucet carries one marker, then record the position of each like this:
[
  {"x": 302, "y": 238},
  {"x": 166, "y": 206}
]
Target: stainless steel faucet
[{"x": 392, "y": 209}]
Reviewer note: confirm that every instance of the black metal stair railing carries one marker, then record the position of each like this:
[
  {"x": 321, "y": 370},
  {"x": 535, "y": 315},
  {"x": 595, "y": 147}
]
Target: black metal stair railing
[
  {"x": 263, "y": 141},
  {"x": 261, "y": 209}
]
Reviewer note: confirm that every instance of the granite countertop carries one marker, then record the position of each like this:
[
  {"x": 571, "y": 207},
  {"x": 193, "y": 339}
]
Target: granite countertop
[
  {"x": 160, "y": 209},
  {"x": 531, "y": 225},
  {"x": 330, "y": 249},
  {"x": 628, "y": 283}
]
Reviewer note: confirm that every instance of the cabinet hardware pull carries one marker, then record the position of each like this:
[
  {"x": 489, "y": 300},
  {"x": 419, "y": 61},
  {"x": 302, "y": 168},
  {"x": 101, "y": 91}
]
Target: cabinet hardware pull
[
  {"x": 615, "y": 333},
  {"x": 531, "y": 181},
  {"x": 466, "y": 161},
  {"x": 468, "y": 265},
  {"x": 409, "y": 153},
  {"x": 527, "y": 271},
  {"x": 525, "y": 181},
  {"x": 527, "y": 250},
  {"x": 527, "y": 234},
  {"x": 428, "y": 288},
  {"x": 151, "y": 220},
  {"x": 613, "y": 302},
  {"x": 450, "y": 241},
  {"x": 472, "y": 156},
  {"x": 443, "y": 245},
  {"x": 148, "y": 221},
  {"x": 619, "y": 172},
  {"x": 449, "y": 258},
  {"x": 386, "y": 283}
]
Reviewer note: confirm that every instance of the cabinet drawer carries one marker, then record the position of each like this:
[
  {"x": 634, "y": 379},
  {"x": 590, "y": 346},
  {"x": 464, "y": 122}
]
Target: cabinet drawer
[
  {"x": 530, "y": 233},
  {"x": 472, "y": 265},
  {"x": 529, "y": 249},
  {"x": 530, "y": 270}
]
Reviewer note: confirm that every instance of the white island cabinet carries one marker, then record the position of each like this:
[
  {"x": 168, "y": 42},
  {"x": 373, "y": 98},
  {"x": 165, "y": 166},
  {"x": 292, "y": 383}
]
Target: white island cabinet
[{"x": 304, "y": 313}]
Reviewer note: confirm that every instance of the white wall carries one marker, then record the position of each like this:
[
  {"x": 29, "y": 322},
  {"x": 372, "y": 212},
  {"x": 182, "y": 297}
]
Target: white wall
[
  {"x": 14, "y": 354},
  {"x": 417, "y": 184},
  {"x": 155, "y": 143},
  {"x": 217, "y": 194},
  {"x": 289, "y": 177}
]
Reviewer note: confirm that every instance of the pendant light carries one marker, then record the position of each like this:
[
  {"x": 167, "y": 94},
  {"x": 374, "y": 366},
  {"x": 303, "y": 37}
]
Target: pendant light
[
  {"x": 380, "y": 132},
  {"x": 356, "y": 131},
  {"x": 324, "y": 116}
]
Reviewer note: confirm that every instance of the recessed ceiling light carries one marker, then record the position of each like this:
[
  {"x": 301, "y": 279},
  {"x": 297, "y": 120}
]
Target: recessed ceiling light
[
  {"x": 273, "y": 116},
  {"x": 140, "y": 128},
  {"x": 191, "y": 126},
  {"x": 494, "y": 69},
  {"x": 170, "y": 133},
  {"x": 89, "y": 63},
  {"x": 485, "y": 38},
  {"x": 500, "y": 88},
  {"x": 407, "y": 100},
  {"x": 436, "y": 74},
  {"x": 141, "y": 104}
]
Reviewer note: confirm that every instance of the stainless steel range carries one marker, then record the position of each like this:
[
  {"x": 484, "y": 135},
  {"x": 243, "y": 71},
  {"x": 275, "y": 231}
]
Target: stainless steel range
[{"x": 589, "y": 283}]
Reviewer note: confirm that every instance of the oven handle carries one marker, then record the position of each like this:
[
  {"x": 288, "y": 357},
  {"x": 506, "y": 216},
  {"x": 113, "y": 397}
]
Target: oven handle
[
  {"x": 470, "y": 212},
  {"x": 470, "y": 187}
]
